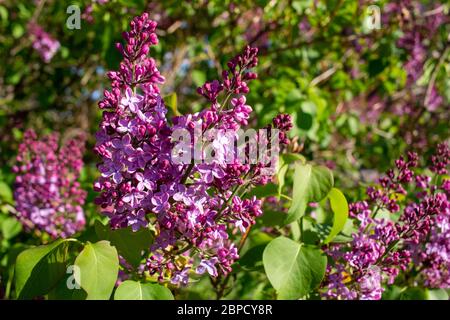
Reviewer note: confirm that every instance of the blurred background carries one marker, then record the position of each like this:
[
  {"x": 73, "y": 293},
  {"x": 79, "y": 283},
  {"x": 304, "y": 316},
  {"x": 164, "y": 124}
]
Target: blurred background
[{"x": 363, "y": 80}]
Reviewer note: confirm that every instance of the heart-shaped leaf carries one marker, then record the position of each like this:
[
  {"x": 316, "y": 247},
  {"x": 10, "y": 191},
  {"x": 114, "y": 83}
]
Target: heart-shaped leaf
[
  {"x": 5, "y": 192},
  {"x": 129, "y": 244},
  {"x": 311, "y": 184},
  {"x": 96, "y": 270},
  {"x": 339, "y": 206},
  {"x": 294, "y": 270},
  {"x": 132, "y": 290},
  {"x": 10, "y": 227},
  {"x": 39, "y": 269}
]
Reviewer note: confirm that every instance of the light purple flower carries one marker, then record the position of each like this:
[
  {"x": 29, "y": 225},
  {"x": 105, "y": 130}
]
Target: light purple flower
[
  {"x": 209, "y": 172},
  {"x": 160, "y": 202},
  {"x": 132, "y": 101},
  {"x": 208, "y": 266},
  {"x": 137, "y": 220}
]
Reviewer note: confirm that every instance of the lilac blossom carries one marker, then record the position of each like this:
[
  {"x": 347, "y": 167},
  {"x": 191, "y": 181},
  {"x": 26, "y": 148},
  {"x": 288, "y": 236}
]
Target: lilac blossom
[
  {"x": 43, "y": 42},
  {"x": 141, "y": 183},
  {"x": 418, "y": 242},
  {"x": 47, "y": 192}
]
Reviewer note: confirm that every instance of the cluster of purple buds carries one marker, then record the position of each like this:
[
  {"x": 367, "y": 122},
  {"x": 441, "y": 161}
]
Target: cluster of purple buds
[
  {"x": 196, "y": 205},
  {"x": 382, "y": 247},
  {"x": 431, "y": 245},
  {"x": 441, "y": 159},
  {"x": 391, "y": 186},
  {"x": 43, "y": 42},
  {"x": 432, "y": 256},
  {"x": 47, "y": 194},
  {"x": 283, "y": 122}
]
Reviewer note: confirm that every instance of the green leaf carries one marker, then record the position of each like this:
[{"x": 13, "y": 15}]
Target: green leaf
[
  {"x": 392, "y": 293},
  {"x": 414, "y": 294},
  {"x": 5, "y": 192},
  {"x": 17, "y": 30},
  {"x": 3, "y": 15},
  {"x": 198, "y": 77},
  {"x": 293, "y": 97},
  {"x": 258, "y": 238},
  {"x": 339, "y": 206},
  {"x": 133, "y": 290},
  {"x": 10, "y": 228},
  {"x": 97, "y": 269},
  {"x": 294, "y": 270},
  {"x": 281, "y": 177},
  {"x": 283, "y": 165},
  {"x": 296, "y": 231},
  {"x": 13, "y": 252},
  {"x": 311, "y": 184},
  {"x": 271, "y": 218},
  {"x": 172, "y": 102},
  {"x": 62, "y": 291},
  {"x": 39, "y": 269},
  {"x": 417, "y": 293},
  {"x": 252, "y": 259},
  {"x": 129, "y": 244},
  {"x": 305, "y": 120},
  {"x": 437, "y": 294},
  {"x": 292, "y": 157},
  {"x": 263, "y": 191}
]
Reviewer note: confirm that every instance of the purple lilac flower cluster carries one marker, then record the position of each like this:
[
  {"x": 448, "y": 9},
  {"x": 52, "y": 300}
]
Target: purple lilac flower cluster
[
  {"x": 43, "y": 42},
  {"x": 417, "y": 239},
  {"x": 419, "y": 23},
  {"x": 433, "y": 255},
  {"x": 47, "y": 194},
  {"x": 192, "y": 206}
]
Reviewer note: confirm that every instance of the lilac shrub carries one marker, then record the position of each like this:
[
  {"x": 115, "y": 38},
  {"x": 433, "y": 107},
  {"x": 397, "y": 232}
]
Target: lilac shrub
[
  {"x": 47, "y": 192},
  {"x": 193, "y": 206},
  {"x": 421, "y": 25},
  {"x": 417, "y": 28},
  {"x": 415, "y": 237}
]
